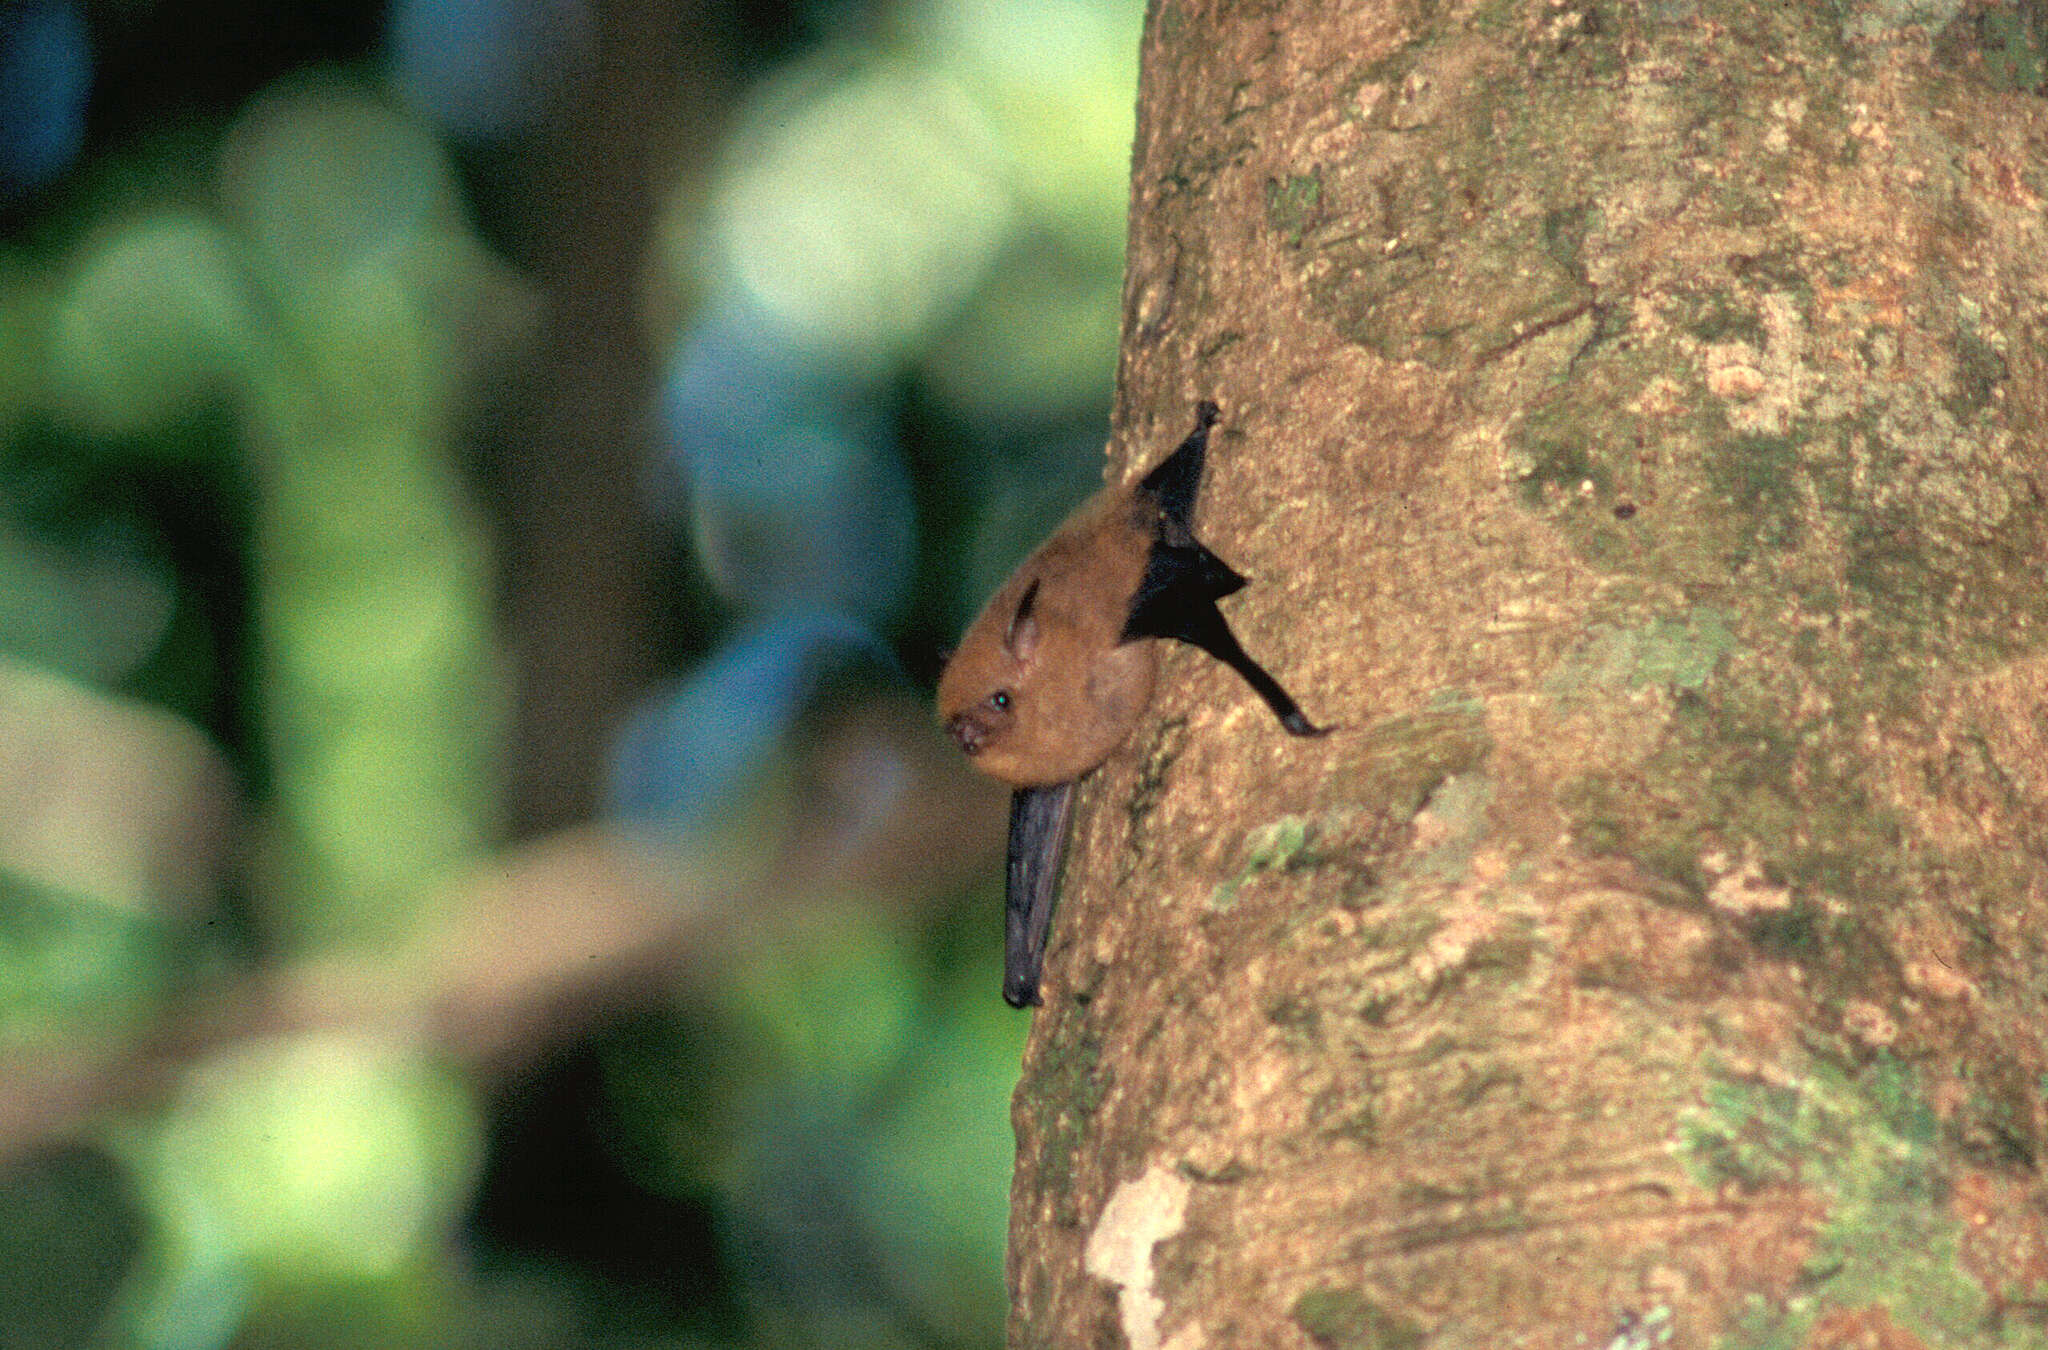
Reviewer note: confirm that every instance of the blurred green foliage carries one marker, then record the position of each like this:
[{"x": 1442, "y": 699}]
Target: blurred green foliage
[{"x": 279, "y": 1062}]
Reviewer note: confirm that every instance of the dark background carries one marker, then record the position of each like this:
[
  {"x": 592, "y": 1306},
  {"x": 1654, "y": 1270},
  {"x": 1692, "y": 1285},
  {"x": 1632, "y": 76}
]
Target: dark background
[{"x": 485, "y": 489}]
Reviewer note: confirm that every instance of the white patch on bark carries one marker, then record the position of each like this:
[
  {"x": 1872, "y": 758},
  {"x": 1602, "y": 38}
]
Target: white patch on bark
[{"x": 1141, "y": 1214}]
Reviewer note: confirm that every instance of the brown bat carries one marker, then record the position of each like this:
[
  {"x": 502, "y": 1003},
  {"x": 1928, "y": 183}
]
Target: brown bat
[{"x": 1055, "y": 672}]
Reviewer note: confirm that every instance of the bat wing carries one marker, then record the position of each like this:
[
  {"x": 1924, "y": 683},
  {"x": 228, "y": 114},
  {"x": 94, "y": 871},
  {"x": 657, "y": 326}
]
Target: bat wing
[
  {"x": 1178, "y": 577},
  {"x": 1177, "y": 599},
  {"x": 1180, "y": 571},
  {"x": 1178, "y": 477},
  {"x": 1038, "y": 841}
]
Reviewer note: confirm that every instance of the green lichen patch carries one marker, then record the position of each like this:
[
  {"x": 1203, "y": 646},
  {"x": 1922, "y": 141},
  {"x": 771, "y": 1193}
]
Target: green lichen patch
[
  {"x": 1405, "y": 758},
  {"x": 1701, "y": 500},
  {"x": 1517, "y": 147},
  {"x": 1459, "y": 806},
  {"x": 1734, "y": 773},
  {"x": 1392, "y": 300},
  {"x": 1060, "y": 1097},
  {"x": 1278, "y": 846},
  {"x": 2004, "y": 45},
  {"x": 1291, "y": 205},
  {"x": 1651, "y": 1329},
  {"x": 1671, "y": 651},
  {"x": 1865, "y": 1144},
  {"x": 1757, "y": 476},
  {"x": 1345, "y": 1319},
  {"x": 1558, "y": 461},
  {"x": 1996, "y": 1126},
  {"x": 1681, "y": 653},
  {"x": 1929, "y": 591},
  {"x": 1717, "y": 448},
  {"x": 1759, "y": 423},
  {"x": 1446, "y": 256},
  {"x": 1507, "y": 955},
  {"x": 1876, "y": 20},
  {"x": 1980, "y": 369},
  {"x": 1564, "y": 235},
  {"x": 1715, "y": 315},
  {"x": 1292, "y": 1014}
]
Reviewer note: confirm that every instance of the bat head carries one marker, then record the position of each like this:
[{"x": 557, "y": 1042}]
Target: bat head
[
  {"x": 1036, "y": 698},
  {"x": 980, "y": 690}
]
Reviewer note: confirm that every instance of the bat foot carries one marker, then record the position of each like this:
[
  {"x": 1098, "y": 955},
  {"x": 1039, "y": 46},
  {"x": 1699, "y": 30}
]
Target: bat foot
[{"x": 1297, "y": 725}]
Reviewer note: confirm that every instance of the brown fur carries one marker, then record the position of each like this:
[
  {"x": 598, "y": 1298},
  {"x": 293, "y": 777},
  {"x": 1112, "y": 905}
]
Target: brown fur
[{"x": 1074, "y": 686}]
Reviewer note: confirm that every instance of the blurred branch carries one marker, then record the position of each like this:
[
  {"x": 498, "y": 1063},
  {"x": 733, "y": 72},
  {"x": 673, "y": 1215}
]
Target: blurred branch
[
  {"x": 565, "y": 931},
  {"x": 547, "y": 942}
]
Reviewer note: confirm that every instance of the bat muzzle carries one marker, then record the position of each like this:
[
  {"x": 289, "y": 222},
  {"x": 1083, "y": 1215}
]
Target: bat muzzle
[{"x": 968, "y": 732}]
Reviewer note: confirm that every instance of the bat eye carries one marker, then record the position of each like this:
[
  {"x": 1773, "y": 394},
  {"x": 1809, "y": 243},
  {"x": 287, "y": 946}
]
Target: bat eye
[{"x": 1001, "y": 699}]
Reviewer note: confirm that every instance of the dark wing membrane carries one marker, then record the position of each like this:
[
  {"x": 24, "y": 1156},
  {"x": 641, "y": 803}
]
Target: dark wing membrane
[
  {"x": 1200, "y": 624},
  {"x": 1179, "y": 476},
  {"x": 1038, "y": 842},
  {"x": 1179, "y": 578},
  {"x": 1177, "y": 599}
]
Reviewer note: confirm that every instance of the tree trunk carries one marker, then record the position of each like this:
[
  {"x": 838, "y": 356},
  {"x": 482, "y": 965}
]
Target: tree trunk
[{"x": 1632, "y": 425}]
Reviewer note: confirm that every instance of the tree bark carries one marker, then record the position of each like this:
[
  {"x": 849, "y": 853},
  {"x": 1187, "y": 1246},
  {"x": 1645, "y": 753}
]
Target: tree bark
[{"x": 1633, "y": 427}]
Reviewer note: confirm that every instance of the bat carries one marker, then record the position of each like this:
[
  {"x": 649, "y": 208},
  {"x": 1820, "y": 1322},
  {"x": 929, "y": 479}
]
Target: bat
[{"x": 1058, "y": 668}]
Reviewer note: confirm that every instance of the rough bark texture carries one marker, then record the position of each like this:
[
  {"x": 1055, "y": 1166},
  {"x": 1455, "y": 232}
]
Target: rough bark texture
[{"x": 1634, "y": 427}]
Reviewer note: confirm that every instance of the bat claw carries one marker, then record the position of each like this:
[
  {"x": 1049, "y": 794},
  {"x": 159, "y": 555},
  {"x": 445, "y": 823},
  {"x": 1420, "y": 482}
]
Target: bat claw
[{"x": 1297, "y": 725}]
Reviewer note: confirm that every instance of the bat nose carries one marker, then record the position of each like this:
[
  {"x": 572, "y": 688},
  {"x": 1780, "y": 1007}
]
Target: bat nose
[{"x": 969, "y": 734}]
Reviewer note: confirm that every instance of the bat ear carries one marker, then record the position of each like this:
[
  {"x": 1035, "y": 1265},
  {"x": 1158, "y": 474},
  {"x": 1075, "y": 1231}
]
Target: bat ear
[{"x": 1022, "y": 638}]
